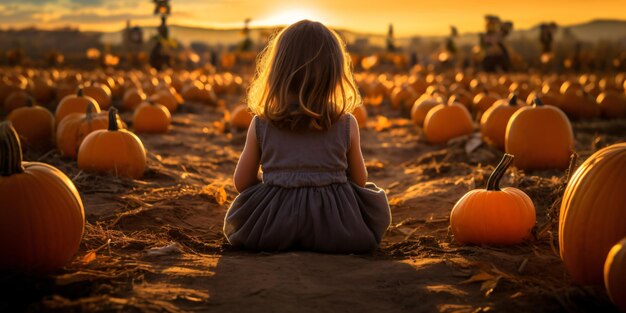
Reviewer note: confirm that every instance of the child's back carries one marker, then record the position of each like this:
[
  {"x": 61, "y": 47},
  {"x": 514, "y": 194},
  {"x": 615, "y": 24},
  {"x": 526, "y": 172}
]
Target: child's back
[{"x": 313, "y": 194}]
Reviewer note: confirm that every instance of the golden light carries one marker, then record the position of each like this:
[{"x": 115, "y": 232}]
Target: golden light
[
  {"x": 93, "y": 53},
  {"x": 291, "y": 15}
]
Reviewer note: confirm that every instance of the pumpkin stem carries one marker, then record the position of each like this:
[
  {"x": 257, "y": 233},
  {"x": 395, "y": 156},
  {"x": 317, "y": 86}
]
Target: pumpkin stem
[
  {"x": 513, "y": 99},
  {"x": 113, "y": 119},
  {"x": 538, "y": 102},
  {"x": 10, "y": 150},
  {"x": 493, "y": 183},
  {"x": 572, "y": 166},
  {"x": 89, "y": 111}
]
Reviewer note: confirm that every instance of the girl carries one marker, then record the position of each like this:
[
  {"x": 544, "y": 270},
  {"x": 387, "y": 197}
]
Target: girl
[{"x": 313, "y": 194}]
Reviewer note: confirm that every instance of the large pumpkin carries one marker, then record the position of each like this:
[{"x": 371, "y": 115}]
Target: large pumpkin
[
  {"x": 76, "y": 126},
  {"x": 74, "y": 104},
  {"x": 151, "y": 117},
  {"x": 35, "y": 125},
  {"x": 615, "y": 274},
  {"x": 447, "y": 121},
  {"x": 578, "y": 104},
  {"x": 493, "y": 215},
  {"x": 593, "y": 217},
  {"x": 41, "y": 213},
  {"x": 493, "y": 122},
  {"x": 403, "y": 97},
  {"x": 133, "y": 97},
  {"x": 113, "y": 151},
  {"x": 540, "y": 137}
]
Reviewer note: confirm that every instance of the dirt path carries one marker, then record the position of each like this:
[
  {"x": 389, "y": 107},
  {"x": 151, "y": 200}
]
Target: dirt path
[{"x": 180, "y": 205}]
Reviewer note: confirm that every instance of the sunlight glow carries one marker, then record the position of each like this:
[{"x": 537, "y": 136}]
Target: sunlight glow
[{"x": 290, "y": 16}]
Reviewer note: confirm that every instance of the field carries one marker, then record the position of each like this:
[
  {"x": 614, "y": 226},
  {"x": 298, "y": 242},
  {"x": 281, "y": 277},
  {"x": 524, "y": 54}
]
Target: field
[{"x": 156, "y": 243}]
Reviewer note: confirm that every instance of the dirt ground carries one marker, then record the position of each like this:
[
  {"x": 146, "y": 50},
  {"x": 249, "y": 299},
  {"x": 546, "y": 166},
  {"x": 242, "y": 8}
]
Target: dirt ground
[{"x": 156, "y": 244}]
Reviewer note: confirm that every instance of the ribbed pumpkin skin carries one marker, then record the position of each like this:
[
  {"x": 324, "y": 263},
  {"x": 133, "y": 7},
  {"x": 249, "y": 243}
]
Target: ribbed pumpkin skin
[
  {"x": 493, "y": 123},
  {"x": 593, "y": 215},
  {"x": 444, "y": 122},
  {"x": 493, "y": 215},
  {"x": 615, "y": 274},
  {"x": 74, "y": 104},
  {"x": 113, "y": 151},
  {"x": 41, "y": 213},
  {"x": 151, "y": 118},
  {"x": 540, "y": 137},
  {"x": 502, "y": 217},
  {"x": 35, "y": 125}
]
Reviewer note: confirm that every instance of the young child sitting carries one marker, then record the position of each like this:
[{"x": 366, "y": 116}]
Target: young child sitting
[{"x": 313, "y": 194}]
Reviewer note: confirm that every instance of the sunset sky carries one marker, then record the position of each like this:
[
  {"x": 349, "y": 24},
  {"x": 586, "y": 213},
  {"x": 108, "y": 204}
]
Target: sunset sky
[{"x": 409, "y": 17}]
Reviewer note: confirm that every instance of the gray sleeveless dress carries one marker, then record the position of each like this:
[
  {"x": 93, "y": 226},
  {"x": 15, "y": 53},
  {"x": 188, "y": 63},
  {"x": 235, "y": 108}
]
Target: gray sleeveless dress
[{"x": 306, "y": 200}]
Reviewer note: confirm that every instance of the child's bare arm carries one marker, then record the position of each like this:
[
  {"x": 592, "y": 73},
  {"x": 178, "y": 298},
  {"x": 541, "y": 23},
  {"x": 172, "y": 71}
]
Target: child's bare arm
[
  {"x": 356, "y": 164},
  {"x": 246, "y": 173}
]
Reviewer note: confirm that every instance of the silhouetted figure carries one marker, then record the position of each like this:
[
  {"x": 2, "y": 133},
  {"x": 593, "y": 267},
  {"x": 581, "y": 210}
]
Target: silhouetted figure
[
  {"x": 158, "y": 58},
  {"x": 546, "y": 36},
  {"x": 163, "y": 30},
  {"x": 492, "y": 43},
  {"x": 391, "y": 46}
]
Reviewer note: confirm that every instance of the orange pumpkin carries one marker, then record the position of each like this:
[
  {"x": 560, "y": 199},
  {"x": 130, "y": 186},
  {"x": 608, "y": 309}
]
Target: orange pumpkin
[
  {"x": 615, "y": 274},
  {"x": 34, "y": 124},
  {"x": 540, "y": 137},
  {"x": 37, "y": 233},
  {"x": 403, "y": 97},
  {"x": 484, "y": 101},
  {"x": 421, "y": 107},
  {"x": 75, "y": 104},
  {"x": 76, "y": 126},
  {"x": 167, "y": 99},
  {"x": 113, "y": 151},
  {"x": 151, "y": 117},
  {"x": 241, "y": 117},
  {"x": 493, "y": 215},
  {"x": 360, "y": 113},
  {"x": 592, "y": 213},
  {"x": 444, "y": 122},
  {"x": 493, "y": 122},
  {"x": 42, "y": 89},
  {"x": 99, "y": 92},
  {"x": 133, "y": 98},
  {"x": 612, "y": 104},
  {"x": 578, "y": 104}
]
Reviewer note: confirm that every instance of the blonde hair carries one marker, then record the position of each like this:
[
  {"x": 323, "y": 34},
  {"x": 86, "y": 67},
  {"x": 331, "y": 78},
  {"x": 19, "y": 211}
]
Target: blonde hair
[{"x": 303, "y": 79}]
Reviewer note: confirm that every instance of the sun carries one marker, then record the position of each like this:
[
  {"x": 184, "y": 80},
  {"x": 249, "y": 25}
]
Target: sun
[{"x": 290, "y": 16}]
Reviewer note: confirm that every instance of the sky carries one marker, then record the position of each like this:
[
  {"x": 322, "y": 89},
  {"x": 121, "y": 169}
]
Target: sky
[{"x": 410, "y": 17}]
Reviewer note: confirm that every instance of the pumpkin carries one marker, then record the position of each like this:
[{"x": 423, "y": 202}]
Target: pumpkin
[
  {"x": 578, "y": 104},
  {"x": 447, "y": 121},
  {"x": 75, "y": 104},
  {"x": 151, "y": 117},
  {"x": 592, "y": 213},
  {"x": 403, "y": 96},
  {"x": 551, "y": 98},
  {"x": 114, "y": 151},
  {"x": 615, "y": 274},
  {"x": 99, "y": 92},
  {"x": 34, "y": 124},
  {"x": 612, "y": 104},
  {"x": 56, "y": 212},
  {"x": 463, "y": 97},
  {"x": 133, "y": 98},
  {"x": 540, "y": 137},
  {"x": 360, "y": 113},
  {"x": 42, "y": 89},
  {"x": 166, "y": 99},
  {"x": 493, "y": 122},
  {"x": 240, "y": 117},
  {"x": 76, "y": 126},
  {"x": 421, "y": 107},
  {"x": 493, "y": 215},
  {"x": 16, "y": 99},
  {"x": 484, "y": 101}
]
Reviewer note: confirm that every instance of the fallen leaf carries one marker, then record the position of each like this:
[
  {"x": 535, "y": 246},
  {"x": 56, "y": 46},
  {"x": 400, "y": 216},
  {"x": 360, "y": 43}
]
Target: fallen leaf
[
  {"x": 89, "y": 257},
  {"x": 473, "y": 143}
]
